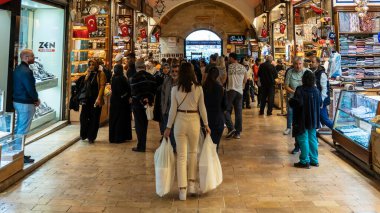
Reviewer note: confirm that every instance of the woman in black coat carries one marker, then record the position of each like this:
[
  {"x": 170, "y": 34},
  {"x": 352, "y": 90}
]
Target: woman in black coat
[
  {"x": 215, "y": 104},
  {"x": 120, "y": 129}
]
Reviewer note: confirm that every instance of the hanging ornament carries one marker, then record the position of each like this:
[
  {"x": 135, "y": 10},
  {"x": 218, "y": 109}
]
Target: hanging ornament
[
  {"x": 316, "y": 9},
  {"x": 143, "y": 34},
  {"x": 160, "y": 7},
  {"x": 124, "y": 30},
  {"x": 264, "y": 32},
  {"x": 282, "y": 28}
]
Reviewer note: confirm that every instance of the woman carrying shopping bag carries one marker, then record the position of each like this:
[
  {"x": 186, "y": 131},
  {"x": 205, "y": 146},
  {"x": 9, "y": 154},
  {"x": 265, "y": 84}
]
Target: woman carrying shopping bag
[
  {"x": 215, "y": 104},
  {"x": 187, "y": 102}
]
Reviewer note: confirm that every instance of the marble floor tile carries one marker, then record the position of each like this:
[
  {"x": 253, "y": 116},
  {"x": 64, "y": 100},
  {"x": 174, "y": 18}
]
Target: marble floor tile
[{"x": 257, "y": 171}]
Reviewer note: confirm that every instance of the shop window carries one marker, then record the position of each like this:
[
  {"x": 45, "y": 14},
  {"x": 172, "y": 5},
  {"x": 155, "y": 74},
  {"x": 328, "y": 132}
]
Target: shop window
[
  {"x": 42, "y": 30},
  {"x": 5, "y": 26}
]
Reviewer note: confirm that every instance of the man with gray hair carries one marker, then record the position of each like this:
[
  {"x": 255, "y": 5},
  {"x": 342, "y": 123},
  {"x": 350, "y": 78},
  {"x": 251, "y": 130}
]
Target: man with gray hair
[
  {"x": 293, "y": 79},
  {"x": 143, "y": 89},
  {"x": 25, "y": 96},
  {"x": 267, "y": 76}
]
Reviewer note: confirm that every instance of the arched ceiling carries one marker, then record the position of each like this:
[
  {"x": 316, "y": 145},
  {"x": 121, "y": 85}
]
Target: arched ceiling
[
  {"x": 205, "y": 14},
  {"x": 239, "y": 8}
]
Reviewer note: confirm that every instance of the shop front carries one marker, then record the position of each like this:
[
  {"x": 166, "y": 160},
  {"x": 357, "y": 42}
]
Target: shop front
[
  {"x": 39, "y": 26},
  {"x": 356, "y": 126},
  {"x": 90, "y": 39},
  {"x": 122, "y": 29},
  {"x": 313, "y": 31},
  {"x": 263, "y": 48},
  {"x": 42, "y": 29}
]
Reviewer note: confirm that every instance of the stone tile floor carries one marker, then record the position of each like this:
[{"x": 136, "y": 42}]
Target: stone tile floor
[{"x": 257, "y": 169}]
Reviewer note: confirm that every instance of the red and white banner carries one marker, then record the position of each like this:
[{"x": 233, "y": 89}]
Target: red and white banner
[{"x": 91, "y": 23}]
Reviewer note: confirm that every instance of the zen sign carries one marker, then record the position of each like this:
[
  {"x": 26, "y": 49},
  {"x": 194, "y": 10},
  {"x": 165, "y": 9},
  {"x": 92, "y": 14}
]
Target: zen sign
[
  {"x": 46, "y": 47},
  {"x": 236, "y": 39}
]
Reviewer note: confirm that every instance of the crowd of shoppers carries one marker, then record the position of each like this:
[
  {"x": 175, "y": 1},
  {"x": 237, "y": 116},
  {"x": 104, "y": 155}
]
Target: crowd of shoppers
[{"x": 189, "y": 97}]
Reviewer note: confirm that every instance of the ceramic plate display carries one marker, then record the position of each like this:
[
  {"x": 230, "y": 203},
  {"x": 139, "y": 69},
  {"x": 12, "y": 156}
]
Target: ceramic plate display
[{"x": 94, "y": 9}]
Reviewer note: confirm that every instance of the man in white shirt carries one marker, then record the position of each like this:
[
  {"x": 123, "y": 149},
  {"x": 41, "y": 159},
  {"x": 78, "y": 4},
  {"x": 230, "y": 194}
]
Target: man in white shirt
[
  {"x": 324, "y": 87},
  {"x": 237, "y": 77}
]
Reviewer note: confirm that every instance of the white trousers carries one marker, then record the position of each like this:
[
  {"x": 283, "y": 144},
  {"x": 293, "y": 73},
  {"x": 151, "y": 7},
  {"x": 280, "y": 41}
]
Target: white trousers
[{"x": 186, "y": 133}]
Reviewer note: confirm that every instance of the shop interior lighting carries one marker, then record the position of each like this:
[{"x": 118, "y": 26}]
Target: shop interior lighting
[{"x": 264, "y": 19}]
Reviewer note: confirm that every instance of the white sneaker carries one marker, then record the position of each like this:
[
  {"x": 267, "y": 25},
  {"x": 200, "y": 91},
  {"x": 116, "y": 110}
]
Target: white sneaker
[
  {"x": 182, "y": 194},
  {"x": 287, "y": 131},
  {"x": 191, "y": 186}
]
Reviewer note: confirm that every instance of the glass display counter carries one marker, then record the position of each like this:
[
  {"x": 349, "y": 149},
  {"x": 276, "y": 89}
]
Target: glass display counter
[
  {"x": 355, "y": 124},
  {"x": 11, "y": 147}
]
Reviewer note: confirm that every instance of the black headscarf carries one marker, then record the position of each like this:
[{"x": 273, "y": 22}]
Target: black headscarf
[{"x": 118, "y": 70}]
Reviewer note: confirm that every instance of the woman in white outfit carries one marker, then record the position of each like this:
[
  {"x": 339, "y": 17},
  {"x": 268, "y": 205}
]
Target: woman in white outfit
[{"x": 187, "y": 102}]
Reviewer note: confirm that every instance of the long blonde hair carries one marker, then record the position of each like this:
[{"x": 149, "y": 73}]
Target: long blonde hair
[{"x": 220, "y": 62}]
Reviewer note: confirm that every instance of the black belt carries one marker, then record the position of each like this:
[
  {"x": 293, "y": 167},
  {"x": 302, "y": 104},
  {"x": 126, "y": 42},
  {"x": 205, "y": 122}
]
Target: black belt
[{"x": 187, "y": 111}]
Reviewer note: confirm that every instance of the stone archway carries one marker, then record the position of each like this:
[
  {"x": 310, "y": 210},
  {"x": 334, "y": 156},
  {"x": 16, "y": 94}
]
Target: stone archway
[{"x": 202, "y": 43}]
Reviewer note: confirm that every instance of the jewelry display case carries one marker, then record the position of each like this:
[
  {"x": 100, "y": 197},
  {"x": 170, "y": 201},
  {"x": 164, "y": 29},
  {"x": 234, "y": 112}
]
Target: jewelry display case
[
  {"x": 355, "y": 123},
  {"x": 11, "y": 147}
]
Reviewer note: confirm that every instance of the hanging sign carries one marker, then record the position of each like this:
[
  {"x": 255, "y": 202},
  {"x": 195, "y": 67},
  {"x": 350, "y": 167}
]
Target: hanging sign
[{"x": 236, "y": 39}]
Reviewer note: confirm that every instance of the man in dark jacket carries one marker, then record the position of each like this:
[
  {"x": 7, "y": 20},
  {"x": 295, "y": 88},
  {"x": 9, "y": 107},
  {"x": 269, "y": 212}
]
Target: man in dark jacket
[
  {"x": 143, "y": 89},
  {"x": 25, "y": 96},
  {"x": 323, "y": 86},
  {"x": 131, "y": 59},
  {"x": 267, "y": 76}
]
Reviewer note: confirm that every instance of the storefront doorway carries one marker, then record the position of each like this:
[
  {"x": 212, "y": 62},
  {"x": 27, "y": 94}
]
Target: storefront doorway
[{"x": 201, "y": 44}]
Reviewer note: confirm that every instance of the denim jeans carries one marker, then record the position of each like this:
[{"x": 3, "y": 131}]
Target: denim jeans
[
  {"x": 234, "y": 101},
  {"x": 25, "y": 113},
  {"x": 309, "y": 146},
  {"x": 324, "y": 116},
  {"x": 289, "y": 116}
]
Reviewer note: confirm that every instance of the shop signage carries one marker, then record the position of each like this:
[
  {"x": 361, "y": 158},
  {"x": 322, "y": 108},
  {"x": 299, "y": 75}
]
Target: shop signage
[
  {"x": 236, "y": 39},
  {"x": 203, "y": 42},
  {"x": 46, "y": 46},
  {"x": 134, "y": 4}
]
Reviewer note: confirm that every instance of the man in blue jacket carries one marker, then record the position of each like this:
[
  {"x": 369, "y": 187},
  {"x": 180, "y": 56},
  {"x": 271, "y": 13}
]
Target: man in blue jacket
[{"x": 25, "y": 97}]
